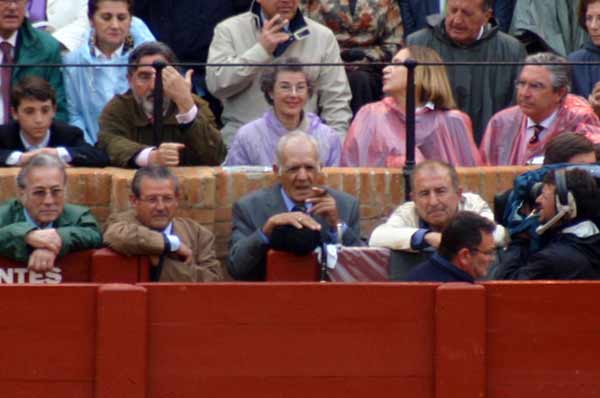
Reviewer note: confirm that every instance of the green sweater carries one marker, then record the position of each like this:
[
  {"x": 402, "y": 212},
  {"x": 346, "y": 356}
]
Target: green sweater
[{"x": 76, "y": 226}]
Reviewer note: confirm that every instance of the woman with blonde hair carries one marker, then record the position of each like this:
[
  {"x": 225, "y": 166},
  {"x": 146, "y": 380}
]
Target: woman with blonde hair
[{"x": 377, "y": 136}]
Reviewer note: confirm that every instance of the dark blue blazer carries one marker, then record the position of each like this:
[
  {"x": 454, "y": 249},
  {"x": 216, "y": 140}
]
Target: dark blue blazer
[
  {"x": 61, "y": 134},
  {"x": 438, "y": 269}
]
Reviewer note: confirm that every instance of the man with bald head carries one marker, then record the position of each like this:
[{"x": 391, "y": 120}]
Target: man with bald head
[{"x": 295, "y": 200}]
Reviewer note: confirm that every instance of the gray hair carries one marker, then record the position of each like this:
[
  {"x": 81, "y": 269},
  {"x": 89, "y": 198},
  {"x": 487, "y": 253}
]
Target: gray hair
[
  {"x": 435, "y": 165},
  {"x": 294, "y": 135},
  {"x": 270, "y": 74},
  {"x": 153, "y": 173},
  {"x": 40, "y": 161},
  {"x": 560, "y": 71}
]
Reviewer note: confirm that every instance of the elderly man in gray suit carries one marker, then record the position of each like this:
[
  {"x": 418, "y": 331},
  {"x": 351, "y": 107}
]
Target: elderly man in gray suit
[{"x": 295, "y": 200}]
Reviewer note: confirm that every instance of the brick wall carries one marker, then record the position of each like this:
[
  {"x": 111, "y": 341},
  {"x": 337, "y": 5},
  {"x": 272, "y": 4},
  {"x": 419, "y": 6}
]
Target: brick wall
[{"x": 209, "y": 193}]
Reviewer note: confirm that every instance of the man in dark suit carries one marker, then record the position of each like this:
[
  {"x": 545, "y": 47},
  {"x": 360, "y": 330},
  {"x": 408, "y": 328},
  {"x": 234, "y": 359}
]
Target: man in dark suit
[
  {"x": 295, "y": 201},
  {"x": 33, "y": 131}
]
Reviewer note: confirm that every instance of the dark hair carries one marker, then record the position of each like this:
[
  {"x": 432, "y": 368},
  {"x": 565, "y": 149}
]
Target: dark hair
[
  {"x": 149, "y": 48},
  {"x": 584, "y": 188},
  {"x": 464, "y": 231},
  {"x": 93, "y": 6},
  {"x": 31, "y": 87},
  {"x": 435, "y": 164},
  {"x": 40, "y": 161},
  {"x": 582, "y": 10},
  {"x": 566, "y": 145},
  {"x": 154, "y": 173},
  {"x": 269, "y": 76}
]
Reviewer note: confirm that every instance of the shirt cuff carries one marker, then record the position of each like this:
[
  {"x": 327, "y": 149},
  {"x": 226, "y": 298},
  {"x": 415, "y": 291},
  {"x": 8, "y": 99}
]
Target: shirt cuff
[
  {"x": 63, "y": 154},
  {"x": 417, "y": 241},
  {"x": 142, "y": 158},
  {"x": 263, "y": 237},
  {"x": 188, "y": 117},
  {"x": 174, "y": 242},
  {"x": 13, "y": 158}
]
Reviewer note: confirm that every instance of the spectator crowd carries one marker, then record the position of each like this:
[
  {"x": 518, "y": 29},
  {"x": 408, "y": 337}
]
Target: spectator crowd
[{"x": 100, "y": 82}]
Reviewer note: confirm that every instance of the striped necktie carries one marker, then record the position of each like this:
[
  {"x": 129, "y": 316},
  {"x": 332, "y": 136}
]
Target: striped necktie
[{"x": 537, "y": 130}]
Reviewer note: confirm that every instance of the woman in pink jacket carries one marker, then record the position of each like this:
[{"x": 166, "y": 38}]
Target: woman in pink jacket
[{"x": 377, "y": 136}]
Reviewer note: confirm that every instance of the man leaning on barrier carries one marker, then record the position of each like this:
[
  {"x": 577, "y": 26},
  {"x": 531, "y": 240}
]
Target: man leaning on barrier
[
  {"x": 39, "y": 227},
  {"x": 181, "y": 250},
  {"x": 466, "y": 251},
  {"x": 416, "y": 226},
  {"x": 270, "y": 30},
  {"x": 519, "y": 134},
  {"x": 294, "y": 201},
  {"x": 189, "y": 136}
]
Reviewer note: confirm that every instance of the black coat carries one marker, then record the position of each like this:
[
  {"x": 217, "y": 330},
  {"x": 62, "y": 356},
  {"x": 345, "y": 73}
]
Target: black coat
[
  {"x": 565, "y": 257},
  {"x": 61, "y": 134}
]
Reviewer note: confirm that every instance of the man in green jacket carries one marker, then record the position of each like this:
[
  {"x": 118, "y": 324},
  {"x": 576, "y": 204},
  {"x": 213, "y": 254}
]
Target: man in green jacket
[
  {"x": 189, "y": 136},
  {"x": 26, "y": 45},
  {"x": 468, "y": 33},
  {"x": 39, "y": 227}
]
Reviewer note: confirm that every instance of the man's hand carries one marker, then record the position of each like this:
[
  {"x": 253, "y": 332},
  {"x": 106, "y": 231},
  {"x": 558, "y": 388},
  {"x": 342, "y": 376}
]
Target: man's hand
[
  {"x": 433, "y": 239},
  {"x": 26, "y": 156},
  {"x": 324, "y": 205},
  {"x": 167, "y": 154},
  {"x": 271, "y": 35},
  {"x": 185, "y": 254},
  {"x": 44, "y": 239},
  {"x": 178, "y": 88},
  {"x": 296, "y": 218},
  {"x": 41, "y": 260}
]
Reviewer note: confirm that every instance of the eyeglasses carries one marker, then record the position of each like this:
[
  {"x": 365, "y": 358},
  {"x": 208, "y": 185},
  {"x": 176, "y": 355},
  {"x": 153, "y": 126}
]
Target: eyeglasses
[
  {"x": 40, "y": 194},
  {"x": 155, "y": 200},
  {"x": 297, "y": 89},
  {"x": 489, "y": 253}
]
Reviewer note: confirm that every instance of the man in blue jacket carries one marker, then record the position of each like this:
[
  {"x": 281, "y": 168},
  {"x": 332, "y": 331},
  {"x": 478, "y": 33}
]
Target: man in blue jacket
[{"x": 465, "y": 253}]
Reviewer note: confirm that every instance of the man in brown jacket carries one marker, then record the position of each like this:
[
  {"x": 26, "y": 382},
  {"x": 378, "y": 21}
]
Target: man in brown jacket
[
  {"x": 181, "y": 250},
  {"x": 189, "y": 136}
]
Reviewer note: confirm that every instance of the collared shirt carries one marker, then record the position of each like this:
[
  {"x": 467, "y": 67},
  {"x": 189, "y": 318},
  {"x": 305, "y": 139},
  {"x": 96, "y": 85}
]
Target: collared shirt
[
  {"x": 13, "y": 42},
  {"x": 15, "y": 156},
  {"x": 174, "y": 241},
  {"x": 29, "y": 219},
  {"x": 546, "y": 123}
]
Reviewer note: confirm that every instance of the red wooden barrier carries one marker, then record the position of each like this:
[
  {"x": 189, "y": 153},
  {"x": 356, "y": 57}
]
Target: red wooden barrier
[
  {"x": 47, "y": 335},
  {"x": 292, "y": 340},
  {"x": 543, "y": 339},
  {"x": 101, "y": 266},
  {"x": 288, "y": 267}
]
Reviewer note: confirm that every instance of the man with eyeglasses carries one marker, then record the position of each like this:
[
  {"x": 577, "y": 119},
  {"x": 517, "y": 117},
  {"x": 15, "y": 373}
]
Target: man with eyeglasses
[
  {"x": 22, "y": 44},
  {"x": 272, "y": 29},
  {"x": 518, "y": 135},
  {"x": 39, "y": 227},
  {"x": 189, "y": 136},
  {"x": 466, "y": 251},
  {"x": 296, "y": 200},
  {"x": 180, "y": 249}
]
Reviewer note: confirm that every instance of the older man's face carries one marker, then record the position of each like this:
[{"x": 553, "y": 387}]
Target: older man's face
[
  {"x": 535, "y": 95},
  {"x": 464, "y": 19},
  {"x": 436, "y": 200},
  {"x": 12, "y": 14},
  {"x": 285, "y": 8},
  {"x": 44, "y": 194},
  {"x": 299, "y": 170},
  {"x": 157, "y": 204}
]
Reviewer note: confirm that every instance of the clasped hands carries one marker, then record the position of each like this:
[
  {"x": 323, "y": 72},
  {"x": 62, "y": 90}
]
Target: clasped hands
[{"x": 46, "y": 245}]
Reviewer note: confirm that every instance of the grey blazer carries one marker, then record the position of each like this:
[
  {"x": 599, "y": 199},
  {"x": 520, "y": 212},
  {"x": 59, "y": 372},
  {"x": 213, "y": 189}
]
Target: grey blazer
[{"x": 247, "y": 252}]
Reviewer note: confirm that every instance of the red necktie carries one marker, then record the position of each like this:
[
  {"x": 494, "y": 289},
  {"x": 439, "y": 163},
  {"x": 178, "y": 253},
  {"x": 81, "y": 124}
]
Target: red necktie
[
  {"x": 6, "y": 73},
  {"x": 537, "y": 130}
]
